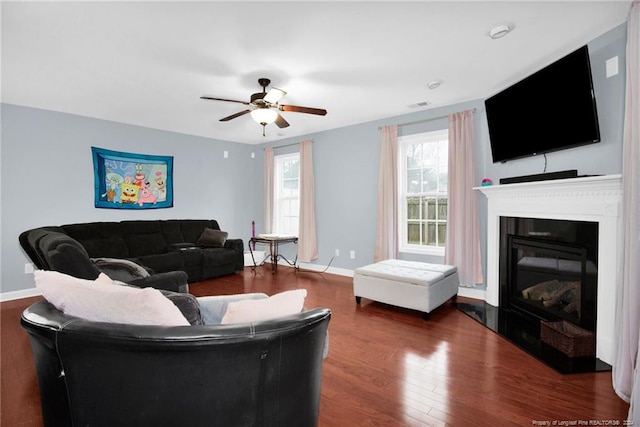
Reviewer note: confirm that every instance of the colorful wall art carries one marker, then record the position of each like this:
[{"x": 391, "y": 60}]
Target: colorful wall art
[{"x": 132, "y": 181}]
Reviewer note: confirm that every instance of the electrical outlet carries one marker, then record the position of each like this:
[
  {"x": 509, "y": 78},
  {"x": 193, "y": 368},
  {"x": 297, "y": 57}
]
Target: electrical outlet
[
  {"x": 352, "y": 254},
  {"x": 337, "y": 253},
  {"x": 225, "y": 154},
  {"x": 28, "y": 268}
]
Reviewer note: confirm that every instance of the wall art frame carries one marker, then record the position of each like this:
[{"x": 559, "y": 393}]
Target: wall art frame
[{"x": 132, "y": 181}]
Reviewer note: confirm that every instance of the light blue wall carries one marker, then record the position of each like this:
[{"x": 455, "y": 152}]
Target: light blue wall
[
  {"x": 602, "y": 158},
  {"x": 47, "y": 178},
  {"x": 346, "y": 162},
  {"x": 47, "y": 174},
  {"x": 346, "y": 181}
]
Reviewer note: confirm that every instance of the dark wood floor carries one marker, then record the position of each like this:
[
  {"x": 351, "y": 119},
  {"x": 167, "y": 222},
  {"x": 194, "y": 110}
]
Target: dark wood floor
[{"x": 386, "y": 366}]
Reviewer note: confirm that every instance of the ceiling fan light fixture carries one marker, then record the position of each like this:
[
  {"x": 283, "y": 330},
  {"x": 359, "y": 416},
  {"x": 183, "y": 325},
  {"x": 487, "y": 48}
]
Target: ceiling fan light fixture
[
  {"x": 264, "y": 107},
  {"x": 274, "y": 95},
  {"x": 264, "y": 116}
]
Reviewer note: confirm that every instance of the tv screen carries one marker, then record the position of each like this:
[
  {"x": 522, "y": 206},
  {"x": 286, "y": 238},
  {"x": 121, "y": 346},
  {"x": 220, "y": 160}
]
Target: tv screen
[{"x": 553, "y": 109}]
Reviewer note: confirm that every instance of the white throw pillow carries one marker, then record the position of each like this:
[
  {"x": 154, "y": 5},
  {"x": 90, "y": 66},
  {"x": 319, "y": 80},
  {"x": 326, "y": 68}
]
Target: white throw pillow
[
  {"x": 103, "y": 278},
  {"x": 255, "y": 310},
  {"x": 100, "y": 301}
]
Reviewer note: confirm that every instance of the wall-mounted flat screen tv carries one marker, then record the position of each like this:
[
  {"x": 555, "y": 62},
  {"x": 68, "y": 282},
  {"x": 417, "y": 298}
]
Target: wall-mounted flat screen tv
[{"x": 553, "y": 109}]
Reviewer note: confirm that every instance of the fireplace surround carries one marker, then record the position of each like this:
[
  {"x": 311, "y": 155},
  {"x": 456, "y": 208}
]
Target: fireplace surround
[{"x": 593, "y": 199}]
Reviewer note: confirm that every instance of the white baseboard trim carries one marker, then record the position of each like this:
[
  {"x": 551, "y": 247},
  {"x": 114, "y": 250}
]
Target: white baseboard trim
[
  {"x": 27, "y": 293},
  {"x": 321, "y": 268},
  {"x": 313, "y": 267},
  {"x": 472, "y": 293}
]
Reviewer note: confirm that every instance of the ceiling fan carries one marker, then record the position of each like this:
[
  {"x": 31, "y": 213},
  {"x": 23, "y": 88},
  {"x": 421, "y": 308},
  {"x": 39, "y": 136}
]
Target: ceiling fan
[{"x": 264, "y": 107}]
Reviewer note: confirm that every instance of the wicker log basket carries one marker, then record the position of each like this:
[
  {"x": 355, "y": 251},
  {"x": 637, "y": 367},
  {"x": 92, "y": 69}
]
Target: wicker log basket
[{"x": 568, "y": 338}]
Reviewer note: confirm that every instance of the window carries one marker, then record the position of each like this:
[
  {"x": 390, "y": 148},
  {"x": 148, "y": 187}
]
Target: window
[
  {"x": 286, "y": 195},
  {"x": 422, "y": 194}
]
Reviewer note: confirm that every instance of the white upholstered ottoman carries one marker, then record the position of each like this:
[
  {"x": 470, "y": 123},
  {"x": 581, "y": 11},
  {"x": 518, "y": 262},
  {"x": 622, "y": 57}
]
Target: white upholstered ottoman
[{"x": 408, "y": 284}]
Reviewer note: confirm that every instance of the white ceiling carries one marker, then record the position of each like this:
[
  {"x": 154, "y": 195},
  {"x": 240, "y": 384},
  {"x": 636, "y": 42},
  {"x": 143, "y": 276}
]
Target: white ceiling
[{"x": 147, "y": 63}]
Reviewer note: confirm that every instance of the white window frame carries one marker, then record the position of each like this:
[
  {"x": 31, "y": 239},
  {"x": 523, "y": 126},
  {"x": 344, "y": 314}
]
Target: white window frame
[
  {"x": 403, "y": 143},
  {"x": 279, "y": 198}
]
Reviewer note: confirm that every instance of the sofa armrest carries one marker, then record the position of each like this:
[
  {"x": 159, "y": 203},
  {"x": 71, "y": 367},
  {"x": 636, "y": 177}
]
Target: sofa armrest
[
  {"x": 238, "y": 246},
  {"x": 124, "y": 270},
  {"x": 175, "y": 281}
]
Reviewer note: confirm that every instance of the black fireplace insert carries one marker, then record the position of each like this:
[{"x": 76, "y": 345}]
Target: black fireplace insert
[
  {"x": 549, "y": 269},
  {"x": 551, "y": 281}
]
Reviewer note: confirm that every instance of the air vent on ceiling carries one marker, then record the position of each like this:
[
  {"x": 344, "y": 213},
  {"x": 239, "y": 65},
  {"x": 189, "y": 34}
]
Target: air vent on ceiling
[{"x": 419, "y": 104}]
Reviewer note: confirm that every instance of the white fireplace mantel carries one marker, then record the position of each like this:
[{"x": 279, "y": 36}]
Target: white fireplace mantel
[{"x": 595, "y": 199}]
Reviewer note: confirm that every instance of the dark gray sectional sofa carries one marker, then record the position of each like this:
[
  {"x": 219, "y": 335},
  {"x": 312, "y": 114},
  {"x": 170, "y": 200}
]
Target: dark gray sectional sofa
[{"x": 159, "y": 245}]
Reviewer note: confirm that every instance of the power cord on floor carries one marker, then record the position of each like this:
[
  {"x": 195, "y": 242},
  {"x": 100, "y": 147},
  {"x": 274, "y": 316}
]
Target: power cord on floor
[{"x": 305, "y": 270}]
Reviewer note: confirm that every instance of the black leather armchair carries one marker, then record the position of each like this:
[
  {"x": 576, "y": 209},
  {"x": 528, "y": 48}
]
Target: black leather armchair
[{"x": 98, "y": 374}]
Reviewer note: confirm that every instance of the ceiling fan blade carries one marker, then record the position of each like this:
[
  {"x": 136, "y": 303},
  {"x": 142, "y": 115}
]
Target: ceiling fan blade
[
  {"x": 233, "y": 116},
  {"x": 224, "y": 99},
  {"x": 281, "y": 122},
  {"x": 274, "y": 95},
  {"x": 308, "y": 110}
]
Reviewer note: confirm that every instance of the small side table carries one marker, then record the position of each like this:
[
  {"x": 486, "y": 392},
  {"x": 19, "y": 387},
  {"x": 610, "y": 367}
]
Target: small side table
[{"x": 274, "y": 242}]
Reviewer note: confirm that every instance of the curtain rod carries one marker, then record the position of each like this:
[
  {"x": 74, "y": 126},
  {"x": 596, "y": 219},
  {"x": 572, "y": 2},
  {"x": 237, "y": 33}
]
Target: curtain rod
[
  {"x": 424, "y": 120},
  {"x": 288, "y": 145}
]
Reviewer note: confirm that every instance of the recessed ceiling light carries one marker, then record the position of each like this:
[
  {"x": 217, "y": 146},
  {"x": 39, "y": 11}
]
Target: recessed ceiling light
[
  {"x": 435, "y": 84},
  {"x": 500, "y": 31}
]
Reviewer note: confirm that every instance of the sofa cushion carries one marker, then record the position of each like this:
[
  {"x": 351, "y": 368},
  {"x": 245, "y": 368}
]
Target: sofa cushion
[
  {"x": 99, "y": 302},
  {"x": 212, "y": 238},
  {"x": 256, "y": 310},
  {"x": 192, "y": 256},
  {"x": 171, "y": 261},
  {"x": 171, "y": 231},
  {"x": 92, "y": 230},
  {"x": 217, "y": 256},
  {"x": 145, "y": 244},
  {"x": 141, "y": 227},
  {"x": 30, "y": 242},
  {"x": 66, "y": 255},
  {"x": 110, "y": 246}
]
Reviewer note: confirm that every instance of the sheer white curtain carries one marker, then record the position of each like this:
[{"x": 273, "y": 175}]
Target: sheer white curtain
[
  {"x": 387, "y": 210},
  {"x": 462, "y": 247},
  {"x": 268, "y": 189},
  {"x": 307, "y": 241},
  {"x": 626, "y": 370}
]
